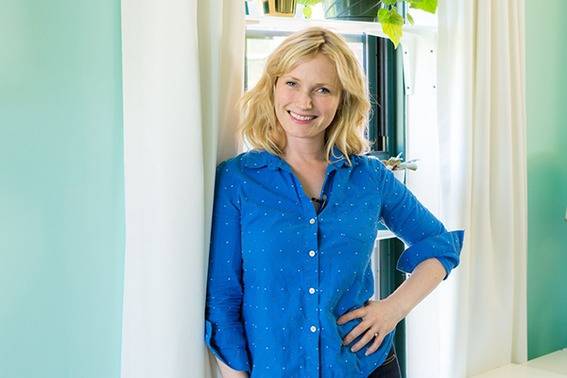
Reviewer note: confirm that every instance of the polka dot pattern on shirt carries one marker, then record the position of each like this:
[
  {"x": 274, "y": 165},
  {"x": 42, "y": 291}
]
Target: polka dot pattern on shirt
[{"x": 282, "y": 271}]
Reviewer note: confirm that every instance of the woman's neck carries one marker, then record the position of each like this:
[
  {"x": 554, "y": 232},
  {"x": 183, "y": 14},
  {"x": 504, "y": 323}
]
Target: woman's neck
[{"x": 305, "y": 152}]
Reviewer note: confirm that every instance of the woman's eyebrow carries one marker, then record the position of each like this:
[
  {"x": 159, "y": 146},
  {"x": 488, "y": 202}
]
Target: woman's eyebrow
[{"x": 315, "y": 85}]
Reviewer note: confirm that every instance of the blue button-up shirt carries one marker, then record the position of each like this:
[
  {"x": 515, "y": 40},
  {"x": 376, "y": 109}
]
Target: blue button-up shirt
[{"x": 281, "y": 274}]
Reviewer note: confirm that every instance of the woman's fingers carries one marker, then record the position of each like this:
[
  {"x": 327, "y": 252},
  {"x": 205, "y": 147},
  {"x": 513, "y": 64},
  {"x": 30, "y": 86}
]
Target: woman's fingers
[
  {"x": 358, "y": 313},
  {"x": 358, "y": 330},
  {"x": 368, "y": 336},
  {"x": 373, "y": 327},
  {"x": 377, "y": 342}
]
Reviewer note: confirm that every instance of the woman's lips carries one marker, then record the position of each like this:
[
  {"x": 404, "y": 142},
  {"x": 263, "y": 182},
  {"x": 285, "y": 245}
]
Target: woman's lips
[{"x": 301, "y": 118}]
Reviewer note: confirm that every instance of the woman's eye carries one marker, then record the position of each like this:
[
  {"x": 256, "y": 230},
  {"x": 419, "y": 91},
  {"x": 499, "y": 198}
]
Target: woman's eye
[
  {"x": 323, "y": 90},
  {"x": 290, "y": 83}
]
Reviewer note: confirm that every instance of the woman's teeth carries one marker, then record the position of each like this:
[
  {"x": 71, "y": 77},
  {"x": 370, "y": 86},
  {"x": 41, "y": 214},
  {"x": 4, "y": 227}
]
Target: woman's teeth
[{"x": 300, "y": 117}]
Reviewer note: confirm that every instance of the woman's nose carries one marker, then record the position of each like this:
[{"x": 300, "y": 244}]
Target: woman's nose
[{"x": 304, "y": 101}]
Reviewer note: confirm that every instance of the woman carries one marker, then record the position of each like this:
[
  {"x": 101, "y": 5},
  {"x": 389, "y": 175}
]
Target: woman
[{"x": 294, "y": 224}]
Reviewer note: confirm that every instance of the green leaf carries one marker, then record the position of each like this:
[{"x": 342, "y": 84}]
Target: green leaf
[
  {"x": 425, "y": 5},
  {"x": 307, "y": 4},
  {"x": 410, "y": 19},
  {"x": 392, "y": 24},
  {"x": 394, "y": 32},
  {"x": 383, "y": 15},
  {"x": 394, "y": 17},
  {"x": 389, "y": 2},
  {"x": 390, "y": 16}
]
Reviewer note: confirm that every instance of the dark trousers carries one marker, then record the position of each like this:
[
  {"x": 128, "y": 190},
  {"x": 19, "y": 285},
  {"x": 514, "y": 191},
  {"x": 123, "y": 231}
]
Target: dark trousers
[{"x": 390, "y": 368}]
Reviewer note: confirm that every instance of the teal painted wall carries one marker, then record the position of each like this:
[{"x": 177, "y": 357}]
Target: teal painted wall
[
  {"x": 546, "y": 62},
  {"x": 61, "y": 189}
]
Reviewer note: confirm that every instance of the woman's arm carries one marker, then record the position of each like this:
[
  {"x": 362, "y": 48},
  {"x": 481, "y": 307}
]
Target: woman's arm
[
  {"x": 228, "y": 372},
  {"x": 425, "y": 277},
  {"x": 381, "y": 317},
  {"x": 224, "y": 329},
  {"x": 431, "y": 255}
]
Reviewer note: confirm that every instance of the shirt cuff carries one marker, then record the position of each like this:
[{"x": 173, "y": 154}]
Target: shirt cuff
[
  {"x": 445, "y": 247},
  {"x": 228, "y": 345}
]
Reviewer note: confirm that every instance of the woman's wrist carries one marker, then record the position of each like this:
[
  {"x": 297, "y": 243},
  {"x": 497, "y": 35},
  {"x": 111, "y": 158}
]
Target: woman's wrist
[
  {"x": 425, "y": 277},
  {"x": 398, "y": 305}
]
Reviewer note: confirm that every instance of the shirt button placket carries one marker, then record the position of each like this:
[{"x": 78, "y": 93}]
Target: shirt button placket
[{"x": 313, "y": 299}]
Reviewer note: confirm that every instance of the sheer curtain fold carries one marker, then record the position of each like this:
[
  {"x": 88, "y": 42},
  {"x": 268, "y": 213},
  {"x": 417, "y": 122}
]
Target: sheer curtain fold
[
  {"x": 182, "y": 74},
  {"x": 479, "y": 314}
]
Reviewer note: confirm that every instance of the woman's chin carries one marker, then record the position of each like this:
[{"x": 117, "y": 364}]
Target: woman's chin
[{"x": 302, "y": 133}]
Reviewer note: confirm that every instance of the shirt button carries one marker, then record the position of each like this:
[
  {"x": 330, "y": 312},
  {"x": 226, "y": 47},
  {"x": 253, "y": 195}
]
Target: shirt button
[
  {"x": 313, "y": 329},
  {"x": 311, "y": 221},
  {"x": 311, "y": 253},
  {"x": 311, "y": 290}
]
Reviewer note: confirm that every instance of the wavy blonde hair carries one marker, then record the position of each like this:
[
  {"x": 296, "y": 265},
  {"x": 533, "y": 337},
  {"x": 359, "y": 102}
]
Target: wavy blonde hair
[{"x": 258, "y": 123}]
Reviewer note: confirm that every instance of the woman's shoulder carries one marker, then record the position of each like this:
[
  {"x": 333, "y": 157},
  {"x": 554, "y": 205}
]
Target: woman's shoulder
[
  {"x": 371, "y": 167},
  {"x": 247, "y": 159},
  {"x": 367, "y": 161},
  {"x": 229, "y": 174},
  {"x": 238, "y": 168}
]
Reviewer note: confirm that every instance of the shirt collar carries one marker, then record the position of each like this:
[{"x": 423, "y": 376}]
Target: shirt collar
[{"x": 263, "y": 158}]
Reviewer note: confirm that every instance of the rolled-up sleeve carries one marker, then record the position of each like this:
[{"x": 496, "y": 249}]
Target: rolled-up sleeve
[
  {"x": 224, "y": 330},
  {"x": 417, "y": 227}
]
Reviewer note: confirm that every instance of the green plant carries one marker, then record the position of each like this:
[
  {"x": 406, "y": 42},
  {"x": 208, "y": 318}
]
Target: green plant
[
  {"x": 392, "y": 22},
  {"x": 307, "y": 4}
]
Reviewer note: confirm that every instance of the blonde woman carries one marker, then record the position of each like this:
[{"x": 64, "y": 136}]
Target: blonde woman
[{"x": 294, "y": 224}]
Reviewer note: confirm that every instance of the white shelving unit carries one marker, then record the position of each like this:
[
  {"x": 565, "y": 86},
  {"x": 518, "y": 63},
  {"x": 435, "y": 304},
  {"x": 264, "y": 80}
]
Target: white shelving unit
[{"x": 292, "y": 24}]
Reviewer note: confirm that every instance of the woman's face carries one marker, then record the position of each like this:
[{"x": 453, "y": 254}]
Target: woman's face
[{"x": 306, "y": 98}]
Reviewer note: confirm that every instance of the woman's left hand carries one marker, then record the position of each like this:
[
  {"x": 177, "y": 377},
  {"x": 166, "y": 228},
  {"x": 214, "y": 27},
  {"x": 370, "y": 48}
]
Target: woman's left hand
[{"x": 378, "y": 317}]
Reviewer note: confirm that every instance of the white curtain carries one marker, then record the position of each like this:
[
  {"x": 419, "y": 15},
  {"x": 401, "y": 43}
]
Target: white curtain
[
  {"x": 476, "y": 321},
  {"x": 182, "y": 73}
]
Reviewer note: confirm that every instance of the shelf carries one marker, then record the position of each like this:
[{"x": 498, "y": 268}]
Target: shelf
[
  {"x": 292, "y": 24},
  {"x": 385, "y": 234}
]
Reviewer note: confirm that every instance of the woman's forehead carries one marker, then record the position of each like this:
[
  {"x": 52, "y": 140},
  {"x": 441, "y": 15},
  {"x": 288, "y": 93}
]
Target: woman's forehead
[{"x": 318, "y": 68}]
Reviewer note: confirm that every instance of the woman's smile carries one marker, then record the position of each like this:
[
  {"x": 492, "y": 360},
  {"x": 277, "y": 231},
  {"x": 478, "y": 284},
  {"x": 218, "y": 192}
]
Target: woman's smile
[{"x": 302, "y": 119}]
